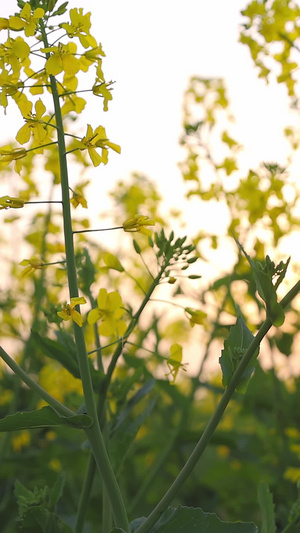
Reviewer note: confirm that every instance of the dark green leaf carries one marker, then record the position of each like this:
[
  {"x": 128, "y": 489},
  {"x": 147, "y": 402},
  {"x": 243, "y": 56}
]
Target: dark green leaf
[
  {"x": 235, "y": 346},
  {"x": 44, "y": 417},
  {"x": 265, "y": 500},
  {"x": 57, "y": 490},
  {"x": 194, "y": 520}
]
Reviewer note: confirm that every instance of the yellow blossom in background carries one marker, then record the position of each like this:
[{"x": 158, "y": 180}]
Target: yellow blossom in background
[
  {"x": 34, "y": 263},
  {"x": 93, "y": 140},
  {"x": 112, "y": 262},
  {"x": 78, "y": 197},
  {"x": 139, "y": 223},
  {"x": 292, "y": 473},
  {"x": 80, "y": 27},
  {"x": 174, "y": 362},
  {"x": 59, "y": 382},
  {"x": 27, "y": 21},
  {"x": 34, "y": 125},
  {"x": 55, "y": 465},
  {"x": 109, "y": 312},
  {"x": 11, "y": 202},
  {"x": 20, "y": 440},
  {"x": 69, "y": 312},
  {"x": 196, "y": 316}
]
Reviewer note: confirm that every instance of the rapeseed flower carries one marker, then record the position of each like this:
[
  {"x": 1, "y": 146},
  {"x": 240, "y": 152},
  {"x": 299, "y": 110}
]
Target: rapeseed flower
[
  {"x": 196, "y": 316},
  {"x": 139, "y": 223},
  {"x": 11, "y": 202},
  {"x": 34, "y": 263},
  {"x": 174, "y": 362},
  {"x": 109, "y": 311},
  {"x": 69, "y": 312}
]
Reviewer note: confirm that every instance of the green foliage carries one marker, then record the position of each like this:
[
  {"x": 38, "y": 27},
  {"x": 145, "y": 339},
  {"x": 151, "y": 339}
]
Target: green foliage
[
  {"x": 265, "y": 501},
  {"x": 183, "y": 519},
  {"x": 37, "y": 508},
  {"x": 235, "y": 347},
  {"x": 44, "y": 417}
]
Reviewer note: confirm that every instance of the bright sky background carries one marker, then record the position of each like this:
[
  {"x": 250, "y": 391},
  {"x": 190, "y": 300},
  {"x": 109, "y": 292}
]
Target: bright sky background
[{"x": 152, "y": 49}]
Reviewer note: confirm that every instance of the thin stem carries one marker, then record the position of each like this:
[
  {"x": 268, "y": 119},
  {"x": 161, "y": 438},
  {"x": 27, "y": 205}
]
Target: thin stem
[
  {"x": 101, "y": 229},
  {"x": 215, "y": 419}
]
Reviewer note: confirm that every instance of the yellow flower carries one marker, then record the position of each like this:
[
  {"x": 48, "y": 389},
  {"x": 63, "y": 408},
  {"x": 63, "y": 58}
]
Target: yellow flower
[
  {"x": 69, "y": 312},
  {"x": 78, "y": 198},
  {"x": 26, "y": 20},
  {"x": 139, "y": 223},
  {"x": 109, "y": 311},
  {"x": 8, "y": 154},
  {"x": 96, "y": 139},
  {"x": 103, "y": 90},
  {"x": 196, "y": 316},
  {"x": 10, "y": 201},
  {"x": 62, "y": 59},
  {"x": 80, "y": 27},
  {"x": 30, "y": 265},
  {"x": 174, "y": 362},
  {"x": 292, "y": 473},
  {"x": 112, "y": 262},
  {"x": 21, "y": 440},
  {"x": 34, "y": 125}
]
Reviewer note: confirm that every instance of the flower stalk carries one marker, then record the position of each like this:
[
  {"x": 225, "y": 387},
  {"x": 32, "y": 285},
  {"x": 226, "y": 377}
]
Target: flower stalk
[{"x": 94, "y": 433}]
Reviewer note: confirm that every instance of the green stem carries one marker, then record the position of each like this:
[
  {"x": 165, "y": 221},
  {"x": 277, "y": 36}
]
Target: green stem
[
  {"x": 214, "y": 421},
  {"x": 94, "y": 433},
  {"x": 85, "y": 494}
]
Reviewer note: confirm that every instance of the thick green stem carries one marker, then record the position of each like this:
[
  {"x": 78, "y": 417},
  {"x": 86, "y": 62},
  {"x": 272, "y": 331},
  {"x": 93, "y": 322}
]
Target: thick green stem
[
  {"x": 214, "y": 421},
  {"x": 94, "y": 433}
]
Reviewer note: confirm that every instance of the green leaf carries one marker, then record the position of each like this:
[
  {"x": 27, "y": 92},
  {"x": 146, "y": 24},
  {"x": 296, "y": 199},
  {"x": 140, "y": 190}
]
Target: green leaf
[
  {"x": 194, "y": 520},
  {"x": 125, "y": 428},
  {"x": 57, "y": 490},
  {"x": 44, "y": 417},
  {"x": 235, "y": 346},
  {"x": 64, "y": 351},
  {"x": 61, "y": 10},
  {"x": 59, "y": 352},
  {"x": 36, "y": 510},
  {"x": 265, "y": 500},
  {"x": 263, "y": 276}
]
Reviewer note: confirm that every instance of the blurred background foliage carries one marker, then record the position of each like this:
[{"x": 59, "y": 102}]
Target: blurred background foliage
[{"x": 153, "y": 426}]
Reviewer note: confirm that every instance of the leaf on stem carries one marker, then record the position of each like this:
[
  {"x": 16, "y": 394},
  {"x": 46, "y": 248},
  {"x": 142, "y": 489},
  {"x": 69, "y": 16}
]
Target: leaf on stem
[
  {"x": 235, "y": 346},
  {"x": 44, "y": 417},
  {"x": 263, "y": 275},
  {"x": 265, "y": 500},
  {"x": 183, "y": 519}
]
